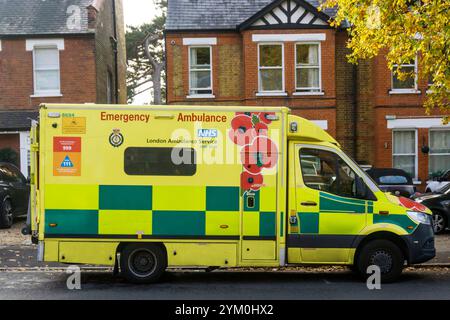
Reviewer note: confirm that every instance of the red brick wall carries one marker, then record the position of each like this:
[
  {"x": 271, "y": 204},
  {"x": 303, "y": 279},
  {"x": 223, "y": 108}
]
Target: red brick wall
[
  {"x": 77, "y": 67},
  {"x": 317, "y": 107},
  {"x": 10, "y": 141}
]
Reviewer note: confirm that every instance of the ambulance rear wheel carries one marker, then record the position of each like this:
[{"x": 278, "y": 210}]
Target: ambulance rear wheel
[
  {"x": 143, "y": 263},
  {"x": 384, "y": 254}
]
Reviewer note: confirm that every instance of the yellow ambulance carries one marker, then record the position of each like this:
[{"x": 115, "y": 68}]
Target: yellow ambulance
[{"x": 143, "y": 188}]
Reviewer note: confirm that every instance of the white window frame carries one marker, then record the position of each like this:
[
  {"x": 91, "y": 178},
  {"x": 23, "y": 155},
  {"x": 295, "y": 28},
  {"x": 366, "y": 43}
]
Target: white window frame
[
  {"x": 46, "y": 93},
  {"x": 429, "y": 143},
  {"x": 414, "y": 90},
  {"x": 271, "y": 92},
  {"x": 201, "y": 95},
  {"x": 316, "y": 92},
  {"x": 416, "y": 157}
]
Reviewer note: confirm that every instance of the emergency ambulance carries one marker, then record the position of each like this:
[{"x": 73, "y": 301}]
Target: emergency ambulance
[{"x": 147, "y": 188}]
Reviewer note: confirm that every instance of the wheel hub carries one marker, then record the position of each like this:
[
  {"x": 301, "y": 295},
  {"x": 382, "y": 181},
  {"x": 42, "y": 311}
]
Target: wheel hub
[
  {"x": 383, "y": 260},
  {"x": 142, "y": 262},
  {"x": 438, "y": 223}
]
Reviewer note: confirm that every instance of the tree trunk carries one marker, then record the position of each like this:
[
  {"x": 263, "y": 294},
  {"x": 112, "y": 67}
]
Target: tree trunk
[{"x": 157, "y": 69}]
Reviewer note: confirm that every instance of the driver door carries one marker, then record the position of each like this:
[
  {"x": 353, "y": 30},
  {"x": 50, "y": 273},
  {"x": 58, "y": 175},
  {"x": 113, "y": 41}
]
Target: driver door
[{"x": 326, "y": 217}]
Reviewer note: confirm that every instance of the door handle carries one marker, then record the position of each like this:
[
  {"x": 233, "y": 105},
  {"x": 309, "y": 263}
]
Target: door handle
[{"x": 309, "y": 203}]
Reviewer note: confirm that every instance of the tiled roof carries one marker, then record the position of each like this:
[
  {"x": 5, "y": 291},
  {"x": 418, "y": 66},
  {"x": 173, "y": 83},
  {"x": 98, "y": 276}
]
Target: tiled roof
[
  {"x": 216, "y": 14},
  {"x": 42, "y": 17},
  {"x": 17, "y": 120}
]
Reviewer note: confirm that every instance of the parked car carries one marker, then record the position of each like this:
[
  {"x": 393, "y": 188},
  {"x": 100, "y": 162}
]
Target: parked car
[
  {"x": 396, "y": 181},
  {"x": 14, "y": 194},
  {"x": 439, "y": 203},
  {"x": 439, "y": 182}
]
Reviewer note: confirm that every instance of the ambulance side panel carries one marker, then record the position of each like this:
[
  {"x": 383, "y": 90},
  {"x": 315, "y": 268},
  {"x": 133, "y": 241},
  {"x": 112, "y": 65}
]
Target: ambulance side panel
[{"x": 103, "y": 185}]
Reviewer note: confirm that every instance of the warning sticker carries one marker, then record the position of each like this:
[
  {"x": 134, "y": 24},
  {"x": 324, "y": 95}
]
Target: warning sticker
[
  {"x": 74, "y": 125},
  {"x": 66, "y": 156}
]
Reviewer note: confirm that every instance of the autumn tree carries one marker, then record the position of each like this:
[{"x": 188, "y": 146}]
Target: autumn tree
[
  {"x": 405, "y": 29},
  {"x": 146, "y": 60}
]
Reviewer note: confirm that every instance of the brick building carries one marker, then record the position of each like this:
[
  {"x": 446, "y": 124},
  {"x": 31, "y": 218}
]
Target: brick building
[
  {"x": 57, "y": 51},
  {"x": 284, "y": 52}
]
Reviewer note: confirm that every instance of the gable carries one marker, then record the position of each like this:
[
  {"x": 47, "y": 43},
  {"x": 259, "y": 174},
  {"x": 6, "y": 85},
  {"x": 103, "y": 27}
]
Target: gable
[{"x": 288, "y": 14}]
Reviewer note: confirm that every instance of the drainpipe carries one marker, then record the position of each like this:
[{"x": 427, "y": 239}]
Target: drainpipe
[{"x": 115, "y": 48}]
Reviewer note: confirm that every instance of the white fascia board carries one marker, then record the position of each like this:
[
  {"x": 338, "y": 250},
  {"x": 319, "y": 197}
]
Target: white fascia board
[
  {"x": 50, "y": 42},
  {"x": 0, "y": 45},
  {"x": 425, "y": 123},
  {"x": 289, "y": 37},
  {"x": 199, "y": 41}
]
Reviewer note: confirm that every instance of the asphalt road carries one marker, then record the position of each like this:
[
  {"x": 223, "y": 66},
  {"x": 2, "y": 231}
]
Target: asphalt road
[{"x": 306, "y": 283}]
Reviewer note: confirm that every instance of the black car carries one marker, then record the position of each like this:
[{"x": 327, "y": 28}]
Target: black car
[
  {"x": 439, "y": 203},
  {"x": 14, "y": 194},
  {"x": 396, "y": 181}
]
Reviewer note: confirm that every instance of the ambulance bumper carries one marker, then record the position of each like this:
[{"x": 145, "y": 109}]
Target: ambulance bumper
[{"x": 420, "y": 244}]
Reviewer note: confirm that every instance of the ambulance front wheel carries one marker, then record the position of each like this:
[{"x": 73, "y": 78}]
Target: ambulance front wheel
[
  {"x": 143, "y": 263},
  {"x": 384, "y": 254}
]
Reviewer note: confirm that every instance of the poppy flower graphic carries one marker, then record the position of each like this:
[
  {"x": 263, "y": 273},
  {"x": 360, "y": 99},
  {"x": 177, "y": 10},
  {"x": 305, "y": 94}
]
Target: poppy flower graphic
[
  {"x": 251, "y": 181},
  {"x": 264, "y": 115},
  {"x": 242, "y": 131},
  {"x": 413, "y": 205},
  {"x": 261, "y": 129},
  {"x": 261, "y": 153}
]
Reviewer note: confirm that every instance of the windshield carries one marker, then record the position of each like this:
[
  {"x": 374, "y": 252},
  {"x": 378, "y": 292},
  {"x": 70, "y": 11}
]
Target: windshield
[
  {"x": 444, "y": 189},
  {"x": 393, "y": 180}
]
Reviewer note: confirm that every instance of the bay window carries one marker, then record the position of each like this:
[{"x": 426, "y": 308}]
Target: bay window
[
  {"x": 404, "y": 151},
  {"x": 271, "y": 68},
  {"x": 307, "y": 67},
  {"x": 439, "y": 156}
]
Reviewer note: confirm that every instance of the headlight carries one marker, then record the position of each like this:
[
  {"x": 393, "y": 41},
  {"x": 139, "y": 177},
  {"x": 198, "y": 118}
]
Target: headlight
[{"x": 419, "y": 217}]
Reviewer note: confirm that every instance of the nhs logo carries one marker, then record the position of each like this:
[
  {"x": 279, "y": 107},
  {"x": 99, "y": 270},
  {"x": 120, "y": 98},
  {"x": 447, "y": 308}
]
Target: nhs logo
[{"x": 207, "y": 133}]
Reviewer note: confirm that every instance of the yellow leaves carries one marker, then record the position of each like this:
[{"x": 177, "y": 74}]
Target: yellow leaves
[{"x": 404, "y": 28}]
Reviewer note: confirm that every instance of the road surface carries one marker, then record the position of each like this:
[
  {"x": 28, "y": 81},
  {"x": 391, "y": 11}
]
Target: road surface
[{"x": 303, "y": 283}]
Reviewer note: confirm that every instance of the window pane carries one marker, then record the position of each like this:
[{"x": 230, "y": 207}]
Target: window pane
[
  {"x": 308, "y": 54},
  {"x": 408, "y": 83},
  {"x": 326, "y": 171},
  {"x": 270, "y": 56},
  {"x": 200, "y": 79},
  {"x": 46, "y": 58},
  {"x": 160, "y": 161},
  {"x": 308, "y": 78},
  {"x": 440, "y": 141},
  {"x": 200, "y": 58},
  {"x": 404, "y": 142},
  {"x": 406, "y": 163},
  {"x": 271, "y": 80},
  {"x": 47, "y": 80},
  {"x": 438, "y": 164}
]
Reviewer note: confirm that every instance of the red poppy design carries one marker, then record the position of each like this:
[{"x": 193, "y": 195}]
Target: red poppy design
[
  {"x": 242, "y": 131},
  {"x": 261, "y": 129},
  {"x": 262, "y": 153},
  {"x": 251, "y": 181},
  {"x": 413, "y": 205},
  {"x": 263, "y": 117}
]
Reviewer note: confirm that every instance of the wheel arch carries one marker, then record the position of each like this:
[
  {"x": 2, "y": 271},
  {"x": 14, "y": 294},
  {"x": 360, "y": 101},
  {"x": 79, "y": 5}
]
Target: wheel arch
[
  {"x": 123, "y": 244},
  {"x": 385, "y": 235}
]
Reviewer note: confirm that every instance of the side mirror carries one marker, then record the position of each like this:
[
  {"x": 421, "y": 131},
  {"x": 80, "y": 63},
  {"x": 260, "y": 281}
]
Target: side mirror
[{"x": 361, "y": 188}]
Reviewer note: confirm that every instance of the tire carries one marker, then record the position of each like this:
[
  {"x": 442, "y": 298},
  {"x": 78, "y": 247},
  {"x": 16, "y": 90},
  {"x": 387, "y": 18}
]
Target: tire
[
  {"x": 6, "y": 215},
  {"x": 386, "y": 255},
  {"x": 143, "y": 263},
  {"x": 439, "y": 222}
]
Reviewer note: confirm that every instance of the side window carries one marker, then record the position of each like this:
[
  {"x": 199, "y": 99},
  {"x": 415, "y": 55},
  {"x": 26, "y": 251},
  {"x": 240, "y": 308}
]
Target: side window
[
  {"x": 160, "y": 161},
  {"x": 326, "y": 171}
]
